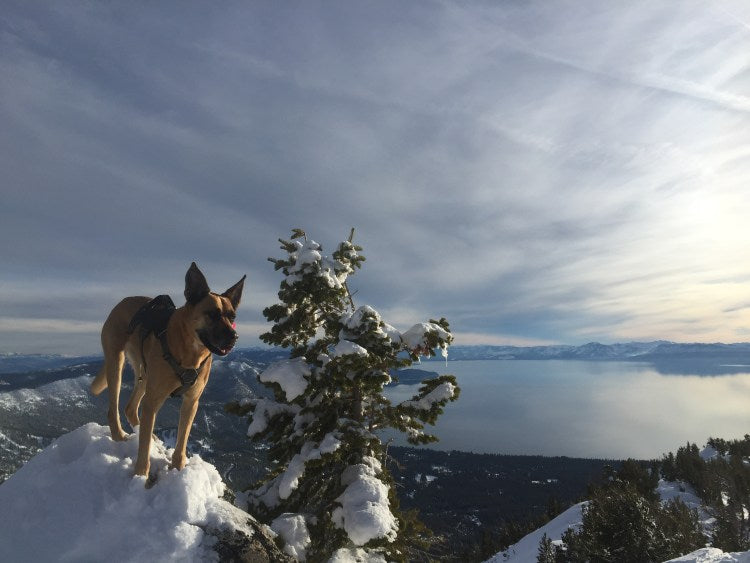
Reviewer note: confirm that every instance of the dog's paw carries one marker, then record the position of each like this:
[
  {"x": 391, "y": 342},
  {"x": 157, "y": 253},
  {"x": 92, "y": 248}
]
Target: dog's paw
[
  {"x": 119, "y": 436},
  {"x": 178, "y": 462}
]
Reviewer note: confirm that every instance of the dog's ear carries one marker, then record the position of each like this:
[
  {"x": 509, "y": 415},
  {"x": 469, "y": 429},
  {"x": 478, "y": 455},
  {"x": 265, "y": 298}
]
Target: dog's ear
[
  {"x": 234, "y": 293},
  {"x": 196, "y": 286}
]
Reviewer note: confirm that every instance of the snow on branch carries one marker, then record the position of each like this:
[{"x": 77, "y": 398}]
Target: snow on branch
[
  {"x": 291, "y": 375},
  {"x": 347, "y": 347},
  {"x": 293, "y": 530},
  {"x": 364, "y": 512},
  {"x": 422, "y": 338},
  {"x": 439, "y": 395},
  {"x": 305, "y": 258},
  {"x": 282, "y": 486},
  {"x": 348, "y": 554},
  {"x": 290, "y": 478},
  {"x": 264, "y": 411}
]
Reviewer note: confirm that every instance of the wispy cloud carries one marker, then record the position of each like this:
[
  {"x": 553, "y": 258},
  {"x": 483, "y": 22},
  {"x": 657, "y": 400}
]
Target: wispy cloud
[
  {"x": 9, "y": 324},
  {"x": 535, "y": 172}
]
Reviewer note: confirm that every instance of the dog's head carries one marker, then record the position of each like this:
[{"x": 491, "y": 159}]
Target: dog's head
[{"x": 212, "y": 315}]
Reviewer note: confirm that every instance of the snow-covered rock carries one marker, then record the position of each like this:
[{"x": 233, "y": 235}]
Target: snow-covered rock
[{"x": 77, "y": 500}]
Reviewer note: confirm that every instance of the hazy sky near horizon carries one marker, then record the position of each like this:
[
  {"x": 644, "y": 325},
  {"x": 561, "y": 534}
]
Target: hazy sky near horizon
[{"x": 536, "y": 172}]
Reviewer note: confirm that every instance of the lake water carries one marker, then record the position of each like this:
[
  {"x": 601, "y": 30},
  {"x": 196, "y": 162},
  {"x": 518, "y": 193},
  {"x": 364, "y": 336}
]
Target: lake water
[{"x": 586, "y": 408}]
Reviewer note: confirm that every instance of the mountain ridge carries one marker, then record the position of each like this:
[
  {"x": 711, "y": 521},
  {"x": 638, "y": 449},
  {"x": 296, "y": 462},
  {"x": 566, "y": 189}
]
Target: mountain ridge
[
  {"x": 655, "y": 350},
  {"x": 639, "y": 351}
]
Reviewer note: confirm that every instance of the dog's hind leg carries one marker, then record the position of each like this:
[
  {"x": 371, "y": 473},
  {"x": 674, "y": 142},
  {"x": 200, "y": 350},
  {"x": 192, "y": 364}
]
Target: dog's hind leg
[
  {"x": 139, "y": 388},
  {"x": 100, "y": 381},
  {"x": 114, "y": 363}
]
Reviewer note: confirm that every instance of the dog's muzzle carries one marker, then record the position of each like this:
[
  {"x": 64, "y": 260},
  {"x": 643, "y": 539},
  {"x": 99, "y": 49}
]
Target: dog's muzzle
[
  {"x": 223, "y": 351},
  {"x": 221, "y": 344}
]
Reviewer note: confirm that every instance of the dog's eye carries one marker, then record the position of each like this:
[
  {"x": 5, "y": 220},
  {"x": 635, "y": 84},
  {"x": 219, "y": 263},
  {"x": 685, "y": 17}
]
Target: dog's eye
[{"x": 213, "y": 315}]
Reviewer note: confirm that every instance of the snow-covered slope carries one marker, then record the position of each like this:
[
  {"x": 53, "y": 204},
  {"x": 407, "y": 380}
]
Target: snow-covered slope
[
  {"x": 712, "y": 555},
  {"x": 65, "y": 392},
  {"x": 525, "y": 551},
  {"x": 78, "y": 500}
]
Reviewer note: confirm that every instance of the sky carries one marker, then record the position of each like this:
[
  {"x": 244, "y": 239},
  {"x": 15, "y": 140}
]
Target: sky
[{"x": 536, "y": 172}]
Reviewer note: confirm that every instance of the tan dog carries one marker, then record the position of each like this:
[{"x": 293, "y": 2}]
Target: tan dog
[{"x": 165, "y": 359}]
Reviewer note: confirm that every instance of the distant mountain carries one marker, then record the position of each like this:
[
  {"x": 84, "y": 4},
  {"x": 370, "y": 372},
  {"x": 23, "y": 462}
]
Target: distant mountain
[
  {"x": 641, "y": 351},
  {"x": 17, "y": 363}
]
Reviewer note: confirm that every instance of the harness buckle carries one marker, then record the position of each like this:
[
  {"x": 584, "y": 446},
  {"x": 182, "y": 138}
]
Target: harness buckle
[{"x": 188, "y": 377}]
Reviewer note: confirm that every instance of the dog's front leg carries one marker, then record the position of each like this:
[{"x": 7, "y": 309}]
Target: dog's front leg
[
  {"x": 151, "y": 406},
  {"x": 187, "y": 415}
]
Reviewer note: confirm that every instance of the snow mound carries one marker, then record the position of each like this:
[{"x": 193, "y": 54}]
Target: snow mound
[{"x": 78, "y": 500}]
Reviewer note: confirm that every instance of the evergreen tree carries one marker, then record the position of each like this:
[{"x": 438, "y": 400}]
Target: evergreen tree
[
  {"x": 668, "y": 467},
  {"x": 620, "y": 525},
  {"x": 644, "y": 479},
  {"x": 690, "y": 467},
  {"x": 546, "y": 552},
  {"x": 330, "y": 481}
]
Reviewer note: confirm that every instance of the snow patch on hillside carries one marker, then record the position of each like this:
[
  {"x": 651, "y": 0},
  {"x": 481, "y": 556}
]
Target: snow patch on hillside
[
  {"x": 78, "y": 500},
  {"x": 526, "y": 550},
  {"x": 62, "y": 392},
  {"x": 669, "y": 490},
  {"x": 712, "y": 555}
]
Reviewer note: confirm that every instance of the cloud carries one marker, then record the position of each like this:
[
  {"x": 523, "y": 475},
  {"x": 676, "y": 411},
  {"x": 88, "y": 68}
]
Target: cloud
[
  {"x": 9, "y": 324},
  {"x": 537, "y": 172}
]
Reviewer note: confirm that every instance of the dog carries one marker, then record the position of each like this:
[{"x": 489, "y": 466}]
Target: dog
[{"x": 174, "y": 358}]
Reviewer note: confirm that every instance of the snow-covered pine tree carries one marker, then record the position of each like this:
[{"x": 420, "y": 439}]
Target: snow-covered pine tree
[{"x": 330, "y": 494}]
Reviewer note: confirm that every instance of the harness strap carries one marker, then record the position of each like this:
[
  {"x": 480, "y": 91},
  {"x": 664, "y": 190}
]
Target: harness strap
[
  {"x": 187, "y": 376},
  {"x": 154, "y": 317}
]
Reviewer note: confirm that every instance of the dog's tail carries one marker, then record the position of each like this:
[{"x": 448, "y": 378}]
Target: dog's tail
[{"x": 100, "y": 381}]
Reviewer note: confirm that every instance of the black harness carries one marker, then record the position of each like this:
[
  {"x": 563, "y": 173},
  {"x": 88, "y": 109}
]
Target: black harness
[{"x": 154, "y": 317}]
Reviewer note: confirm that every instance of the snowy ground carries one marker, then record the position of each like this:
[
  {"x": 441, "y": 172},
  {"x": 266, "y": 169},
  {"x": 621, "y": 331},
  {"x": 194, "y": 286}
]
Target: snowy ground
[{"x": 77, "y": 500}]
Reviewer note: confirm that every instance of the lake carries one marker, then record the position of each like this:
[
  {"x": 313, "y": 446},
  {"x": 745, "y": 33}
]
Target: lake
[{"x": 601, "y": 409}]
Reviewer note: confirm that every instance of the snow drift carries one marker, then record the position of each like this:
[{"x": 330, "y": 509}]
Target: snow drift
[{"x": 78, "y": 500}]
